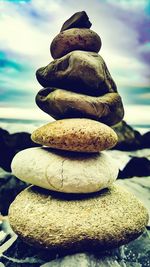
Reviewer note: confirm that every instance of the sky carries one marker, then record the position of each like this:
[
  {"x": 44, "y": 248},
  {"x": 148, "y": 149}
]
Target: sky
[{"x": 28, "y": 27}]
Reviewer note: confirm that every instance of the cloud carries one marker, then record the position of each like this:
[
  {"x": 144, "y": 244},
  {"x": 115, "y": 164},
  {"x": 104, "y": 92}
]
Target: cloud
[
  {"x": 23, "y": 113},
  {"x": 130, "y": 4},
  {"x": 137, "y": 115},
  {"x": 16, "y": 1},
  {"x": 28, "y": 27},
  {"x": 134, "y": 115}
]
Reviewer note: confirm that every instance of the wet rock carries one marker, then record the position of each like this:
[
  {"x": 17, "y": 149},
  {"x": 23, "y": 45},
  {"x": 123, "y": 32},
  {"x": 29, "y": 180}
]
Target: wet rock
[
  {"x": 78, "y": 71},
  {"x": 10, "y": 186},
  {"x": 128, "y": 138},
  {"x": 77, "y": 20},
  {"x": 10, "y": 144},
  {"x": 146, "y": 140},
  {"x": 61, "y": 104},
  {"x": 136, "y": 167}
]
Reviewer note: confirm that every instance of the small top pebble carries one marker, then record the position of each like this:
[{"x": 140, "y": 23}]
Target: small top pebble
[{"x": 77, "y": 20}]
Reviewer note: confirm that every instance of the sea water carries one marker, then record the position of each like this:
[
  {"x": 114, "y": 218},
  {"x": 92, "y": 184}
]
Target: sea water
[{"x": 27, "y": 125}]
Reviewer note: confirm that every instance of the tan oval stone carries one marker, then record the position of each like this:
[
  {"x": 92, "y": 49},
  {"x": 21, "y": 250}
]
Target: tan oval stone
[
  {"x": 101, "y": 220},
  {"x": 75, "y": 39},
  {"x": 81, "y": 135}
]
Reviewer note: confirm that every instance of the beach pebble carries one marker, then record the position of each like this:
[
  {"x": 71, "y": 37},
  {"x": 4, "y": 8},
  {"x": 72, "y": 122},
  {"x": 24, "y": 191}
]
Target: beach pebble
[
  {"x": 81, "y": 135},
  {"x": 65, "y": 171},
  {"x": 62, "y": 104},
  {"x": 75, "y": 39},
  {"x": 78, "y": 71},
  {"x": 100, "y": 221}
]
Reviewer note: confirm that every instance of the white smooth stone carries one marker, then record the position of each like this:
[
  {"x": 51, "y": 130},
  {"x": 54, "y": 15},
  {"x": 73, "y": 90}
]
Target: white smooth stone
[{"x": 62, "y": 171}]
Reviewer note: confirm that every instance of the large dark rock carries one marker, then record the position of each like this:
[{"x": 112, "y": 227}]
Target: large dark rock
[
  {"x": 137, "y": 166},
  {"x": 61, "y": 104},
  {"x": 128, "y": 138},
  {"x": 78, "y": 71},
  {"x": 10, "y": 144},
  {"x": 146, "y": 140},
  {"x": 77, "y": 20}
]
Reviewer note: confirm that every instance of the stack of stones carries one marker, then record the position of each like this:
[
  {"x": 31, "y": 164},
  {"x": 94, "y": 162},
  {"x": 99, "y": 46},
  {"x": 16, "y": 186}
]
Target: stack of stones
[{"x": 73, "y": 204}]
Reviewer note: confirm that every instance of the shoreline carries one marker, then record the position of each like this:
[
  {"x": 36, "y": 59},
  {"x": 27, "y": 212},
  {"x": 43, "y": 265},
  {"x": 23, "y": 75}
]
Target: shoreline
[{"x": 27, "y": 125}]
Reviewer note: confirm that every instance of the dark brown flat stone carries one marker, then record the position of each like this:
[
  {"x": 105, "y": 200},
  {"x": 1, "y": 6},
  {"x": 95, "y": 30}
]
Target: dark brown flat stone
[
  {"x": 77, "y": 20},
  {"x": 61, "y": 104},
  {"x": 78, "y": 71}
]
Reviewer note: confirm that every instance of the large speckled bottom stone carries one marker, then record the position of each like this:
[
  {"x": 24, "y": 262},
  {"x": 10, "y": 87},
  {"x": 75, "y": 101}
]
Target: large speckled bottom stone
[{"x": 69, "y": 222}]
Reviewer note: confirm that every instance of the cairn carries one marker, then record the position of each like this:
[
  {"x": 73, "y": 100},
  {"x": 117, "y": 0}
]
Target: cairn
[{"x": 73, "y": 203}]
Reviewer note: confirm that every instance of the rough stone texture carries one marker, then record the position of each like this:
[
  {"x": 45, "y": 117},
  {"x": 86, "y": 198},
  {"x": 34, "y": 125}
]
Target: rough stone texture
[
  {"x": 136, "y": 253},
  {"x": 65, "y": 171},
  {"x": 62, "y": 104},
  {"x": 140, "y": 187},
  {"x": 81, "y": 135},
  {"x": 104, "y": 220},
  {"x": 75, "y": 39},
  {"x": 77, "y": 20},
  {"x": 17, "y": 253},
  {"x": 79, "y": 71}
]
